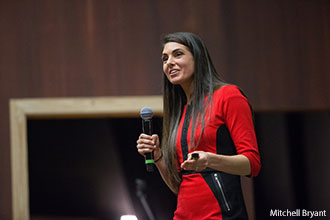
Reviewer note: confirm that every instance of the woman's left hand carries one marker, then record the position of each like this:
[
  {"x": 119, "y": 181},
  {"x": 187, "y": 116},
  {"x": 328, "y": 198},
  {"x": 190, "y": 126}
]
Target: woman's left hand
[{"x": 196, "y": 164}]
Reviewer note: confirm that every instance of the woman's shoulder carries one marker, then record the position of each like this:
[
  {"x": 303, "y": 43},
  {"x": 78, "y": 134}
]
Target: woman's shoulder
[{"x": 227, "y": 90}]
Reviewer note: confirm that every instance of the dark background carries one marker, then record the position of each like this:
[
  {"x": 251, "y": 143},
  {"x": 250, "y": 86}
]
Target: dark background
[
  {"x": 88, "y": 167},
  {"x": 277, "y": 51}
]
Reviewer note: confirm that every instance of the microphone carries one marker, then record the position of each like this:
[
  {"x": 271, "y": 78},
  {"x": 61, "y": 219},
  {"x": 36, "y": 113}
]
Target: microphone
[{"x": 146, "y": 115}]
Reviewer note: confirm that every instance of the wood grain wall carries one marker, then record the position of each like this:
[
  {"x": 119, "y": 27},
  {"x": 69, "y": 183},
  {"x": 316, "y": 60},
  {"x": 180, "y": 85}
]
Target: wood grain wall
[{"x": 278, "y": 51}]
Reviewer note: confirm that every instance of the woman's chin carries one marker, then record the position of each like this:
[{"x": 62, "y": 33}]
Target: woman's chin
[{"x": 175, "y": 81}]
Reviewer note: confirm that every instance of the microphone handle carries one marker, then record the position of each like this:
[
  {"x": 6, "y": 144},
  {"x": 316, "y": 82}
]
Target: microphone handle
[{"x": 149, "y": 157}]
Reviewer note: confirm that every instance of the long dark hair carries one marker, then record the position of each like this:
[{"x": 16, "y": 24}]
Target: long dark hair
[{"x": 206, "y": 80}]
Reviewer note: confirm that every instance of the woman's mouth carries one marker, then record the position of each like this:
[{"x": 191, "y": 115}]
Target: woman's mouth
[{"x": 174, "y": 71}]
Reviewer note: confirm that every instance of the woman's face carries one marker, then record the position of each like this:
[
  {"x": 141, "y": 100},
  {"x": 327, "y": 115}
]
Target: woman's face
[{"x": 178, "y": 64}]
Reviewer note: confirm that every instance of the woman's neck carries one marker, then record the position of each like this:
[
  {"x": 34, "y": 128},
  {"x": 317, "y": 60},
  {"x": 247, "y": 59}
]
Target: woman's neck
[{"x": 188, "y": 90}]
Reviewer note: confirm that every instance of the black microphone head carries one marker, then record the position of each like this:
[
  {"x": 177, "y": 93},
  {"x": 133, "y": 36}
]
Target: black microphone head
[{"x": 146, "y": 113}]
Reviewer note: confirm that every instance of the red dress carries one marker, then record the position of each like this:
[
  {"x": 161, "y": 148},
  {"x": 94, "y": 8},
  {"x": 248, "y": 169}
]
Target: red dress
[{"x": 212, "y": 194}]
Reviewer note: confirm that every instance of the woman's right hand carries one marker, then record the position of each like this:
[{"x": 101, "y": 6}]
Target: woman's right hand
[{"x": 147, "y": 144}]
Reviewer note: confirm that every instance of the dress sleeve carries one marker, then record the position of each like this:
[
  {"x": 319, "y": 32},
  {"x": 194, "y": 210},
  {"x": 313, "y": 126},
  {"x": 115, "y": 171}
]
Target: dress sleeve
[{"x": 238, "y": 119}]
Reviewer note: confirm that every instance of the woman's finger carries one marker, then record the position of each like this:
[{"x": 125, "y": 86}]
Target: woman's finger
[
  {"x": 189, "y": 165},
  {"x": 145, "y": 141},
  {"x": 145, "y": 146},
  {"x": 145, "y": 136},
  {"x": 144, "y": 151}
]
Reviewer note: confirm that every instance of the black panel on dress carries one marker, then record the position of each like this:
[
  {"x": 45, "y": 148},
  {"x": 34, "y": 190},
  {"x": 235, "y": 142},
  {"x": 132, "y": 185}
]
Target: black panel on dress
[
  {"x": 184, "y": 134},
  {"x": 225, "y": 144}
]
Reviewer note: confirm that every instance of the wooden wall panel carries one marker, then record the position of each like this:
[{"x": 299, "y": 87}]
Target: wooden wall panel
[{"x": 277, "y": 51}]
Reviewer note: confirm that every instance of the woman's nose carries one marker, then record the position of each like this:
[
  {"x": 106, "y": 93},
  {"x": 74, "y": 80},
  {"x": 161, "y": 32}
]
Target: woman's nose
[{"x": 170, "y": 61}]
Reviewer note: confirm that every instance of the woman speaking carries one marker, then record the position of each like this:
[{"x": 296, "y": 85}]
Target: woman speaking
[{"x": 208, "y": 138}]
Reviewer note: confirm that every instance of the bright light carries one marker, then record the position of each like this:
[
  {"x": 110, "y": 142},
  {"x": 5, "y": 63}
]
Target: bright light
[{"x": 128, "y": 217}]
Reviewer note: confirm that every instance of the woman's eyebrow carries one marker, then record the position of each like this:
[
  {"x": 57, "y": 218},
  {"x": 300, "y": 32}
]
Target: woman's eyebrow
[{"x": 173, "y": 51}]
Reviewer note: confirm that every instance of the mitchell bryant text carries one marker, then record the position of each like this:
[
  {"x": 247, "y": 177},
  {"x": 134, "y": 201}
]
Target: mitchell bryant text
[{"x": 297, "y": 213}]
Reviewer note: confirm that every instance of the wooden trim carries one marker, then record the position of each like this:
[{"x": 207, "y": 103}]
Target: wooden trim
[
  {"x": 23, "y": 109},
  {"x": 19, "y": 164}
]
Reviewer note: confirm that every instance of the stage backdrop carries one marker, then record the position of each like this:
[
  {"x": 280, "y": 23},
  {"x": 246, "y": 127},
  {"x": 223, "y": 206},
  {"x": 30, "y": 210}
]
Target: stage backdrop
[{"x": 277, "y": 51}]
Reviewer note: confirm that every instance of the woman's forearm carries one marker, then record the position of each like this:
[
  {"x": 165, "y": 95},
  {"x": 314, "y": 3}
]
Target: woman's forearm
[{"x": 233, "y": 164}]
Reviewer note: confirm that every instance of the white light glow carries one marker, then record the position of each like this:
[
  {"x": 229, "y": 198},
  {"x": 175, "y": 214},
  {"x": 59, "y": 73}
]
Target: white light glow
[{"x": 128, "y": 217}]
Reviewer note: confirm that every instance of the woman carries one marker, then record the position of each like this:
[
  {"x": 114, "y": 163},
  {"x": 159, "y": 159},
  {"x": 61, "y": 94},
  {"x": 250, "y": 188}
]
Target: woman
[{"x": 208, "y": 138}]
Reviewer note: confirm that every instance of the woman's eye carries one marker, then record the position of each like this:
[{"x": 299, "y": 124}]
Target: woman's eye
[
  {"x": 178, "y": 54},
  {"x": 164, "y": 58}
]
